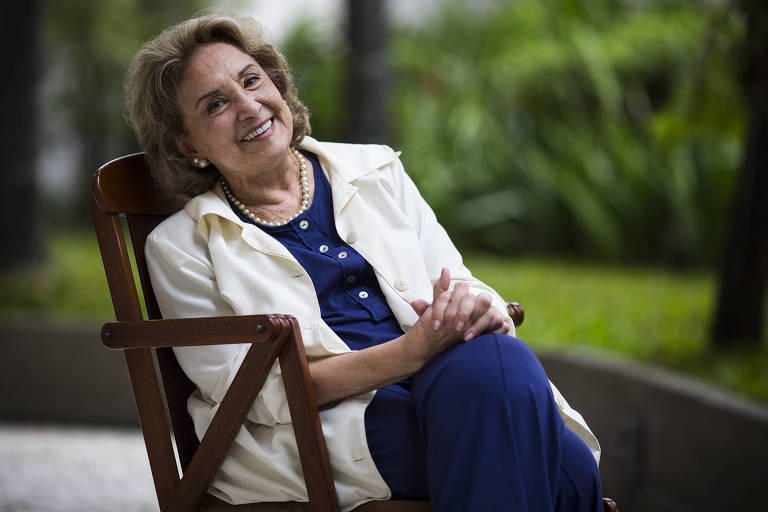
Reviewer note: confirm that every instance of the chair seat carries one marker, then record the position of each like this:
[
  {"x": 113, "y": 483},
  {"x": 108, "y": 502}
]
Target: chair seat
[{"x": 214, "y": 504}]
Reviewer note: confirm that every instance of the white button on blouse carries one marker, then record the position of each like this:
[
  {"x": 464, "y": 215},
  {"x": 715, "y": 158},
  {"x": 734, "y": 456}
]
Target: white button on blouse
[
  {"x": 323, "y": 248},
  {"x": 363, "y": 295},
  {"x": 401, "y": 285},
  {"x": 303, "y": 224},
  {"x": 343, "y": 254},
  {"x": 352, "y": 238}
]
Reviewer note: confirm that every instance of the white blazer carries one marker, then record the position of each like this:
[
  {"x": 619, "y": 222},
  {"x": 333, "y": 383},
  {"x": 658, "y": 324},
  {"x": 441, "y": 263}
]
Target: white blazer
[{"x": 204, "y": 261}]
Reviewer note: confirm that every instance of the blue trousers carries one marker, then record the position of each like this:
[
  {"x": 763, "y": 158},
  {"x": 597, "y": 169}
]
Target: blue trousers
[{"x": 477, "y": 429}]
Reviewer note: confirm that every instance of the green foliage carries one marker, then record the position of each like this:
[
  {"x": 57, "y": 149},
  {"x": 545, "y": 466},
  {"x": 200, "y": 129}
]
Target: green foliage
[
  {"x": 603, "y": 128},
  {"x": 70, "y": 286},
  {"x": 609, "y": 131},
  {"x": 318, "y": 67}
]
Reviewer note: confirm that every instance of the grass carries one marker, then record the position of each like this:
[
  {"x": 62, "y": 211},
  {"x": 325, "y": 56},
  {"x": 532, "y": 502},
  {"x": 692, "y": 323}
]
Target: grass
[
  {"x": 71, "y": 286},
  {"x": 642, "y": 314}
]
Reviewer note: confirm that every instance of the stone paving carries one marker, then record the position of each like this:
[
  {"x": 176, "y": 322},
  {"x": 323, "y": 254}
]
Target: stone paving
[{"x": 83, "y": 469}]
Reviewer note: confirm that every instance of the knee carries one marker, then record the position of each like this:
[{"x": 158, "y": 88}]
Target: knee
[{"x": 490, "y": 367}]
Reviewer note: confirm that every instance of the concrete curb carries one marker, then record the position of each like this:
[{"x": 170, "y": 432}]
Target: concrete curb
[
  {"x": 669, "y": 443},
  {"x": 61, "y": 373}
]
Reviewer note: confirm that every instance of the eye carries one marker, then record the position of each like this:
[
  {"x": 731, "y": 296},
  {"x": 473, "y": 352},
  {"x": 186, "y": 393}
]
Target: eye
[
  {"x": 250, "y": 81},
  {"x": 214, "y": 105}
]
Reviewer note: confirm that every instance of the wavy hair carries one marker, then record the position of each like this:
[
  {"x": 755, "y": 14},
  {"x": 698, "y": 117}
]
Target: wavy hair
[{"x": 154, "y": 77}]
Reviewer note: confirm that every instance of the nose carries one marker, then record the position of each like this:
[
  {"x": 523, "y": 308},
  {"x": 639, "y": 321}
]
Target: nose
[{"x": 247, "y": 105}]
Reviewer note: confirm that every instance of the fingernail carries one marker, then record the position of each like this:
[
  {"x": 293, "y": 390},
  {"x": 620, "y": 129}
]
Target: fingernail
[
  {"x": 436, "y": 324},
  {"x": 460, "y": 325},
  {"x": 468, "y": 336}
]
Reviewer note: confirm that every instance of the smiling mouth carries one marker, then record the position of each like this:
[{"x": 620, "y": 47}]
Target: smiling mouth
[{"x": 258, "y": 131}]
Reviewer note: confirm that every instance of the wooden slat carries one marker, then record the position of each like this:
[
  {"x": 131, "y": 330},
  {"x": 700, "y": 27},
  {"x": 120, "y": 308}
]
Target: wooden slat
[
  {"x": 154, "y": 425},
  {"x": 189, "y": 332},
  {"x": 140, "y": 226},
  {"x": 141, "y": 368},
  {"x": 306, "y": 421},
  {"x": 122, "y": 288}
]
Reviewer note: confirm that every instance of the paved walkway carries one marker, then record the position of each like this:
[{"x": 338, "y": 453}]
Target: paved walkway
[{"x": 63, "y": 469}]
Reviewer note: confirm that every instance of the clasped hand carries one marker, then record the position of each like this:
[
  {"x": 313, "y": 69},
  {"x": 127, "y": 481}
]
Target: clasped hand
[{"x": 452, "y": 317}]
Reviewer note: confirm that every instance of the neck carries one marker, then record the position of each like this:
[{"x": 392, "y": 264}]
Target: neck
[{"x": 270, "y": 187}]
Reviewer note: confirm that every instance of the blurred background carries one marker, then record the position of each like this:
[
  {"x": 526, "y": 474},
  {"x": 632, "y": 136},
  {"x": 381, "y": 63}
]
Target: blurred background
[{"x": 603, "y": 162}]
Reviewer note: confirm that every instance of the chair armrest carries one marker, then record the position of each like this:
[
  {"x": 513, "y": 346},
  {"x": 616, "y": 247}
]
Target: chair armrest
[
  {"x": 223, "y": 330},
  {"x": 516, "y": 312},
  {"x": 188, "y": 332}
]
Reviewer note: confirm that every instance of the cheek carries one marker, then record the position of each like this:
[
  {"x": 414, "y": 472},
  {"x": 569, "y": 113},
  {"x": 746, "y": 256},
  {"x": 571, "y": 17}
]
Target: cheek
[{"x": 214, "y": 128}]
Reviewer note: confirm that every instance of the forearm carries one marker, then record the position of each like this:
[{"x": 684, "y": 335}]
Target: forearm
[{"x": 345, "y": 375}]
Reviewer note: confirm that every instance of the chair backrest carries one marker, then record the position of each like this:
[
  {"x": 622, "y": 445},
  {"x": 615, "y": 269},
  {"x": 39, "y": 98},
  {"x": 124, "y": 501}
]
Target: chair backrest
[{"x": 123, "y": 191}]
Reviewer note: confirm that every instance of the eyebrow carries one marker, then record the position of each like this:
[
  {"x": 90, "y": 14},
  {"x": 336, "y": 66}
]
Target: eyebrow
[{"x": 214, "y": 92}]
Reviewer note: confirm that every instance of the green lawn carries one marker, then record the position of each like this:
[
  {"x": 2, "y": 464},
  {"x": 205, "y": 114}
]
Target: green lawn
[
  {"x": 643, "y": 314},
  {"x": 70, "y": 287}
]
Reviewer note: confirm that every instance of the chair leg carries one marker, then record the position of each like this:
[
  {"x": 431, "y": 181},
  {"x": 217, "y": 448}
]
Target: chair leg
[{"x": 609, "y": 505}]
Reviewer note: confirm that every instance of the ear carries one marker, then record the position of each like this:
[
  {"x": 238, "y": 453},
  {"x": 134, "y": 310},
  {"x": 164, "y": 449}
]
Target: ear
[{"x": 184, "y": 147}]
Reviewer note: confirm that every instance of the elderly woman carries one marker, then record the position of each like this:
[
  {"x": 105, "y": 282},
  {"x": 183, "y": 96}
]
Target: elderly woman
[{"x": 424, "y": 393}]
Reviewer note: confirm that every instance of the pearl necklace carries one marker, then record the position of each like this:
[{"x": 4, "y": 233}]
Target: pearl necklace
[{"x": 304, "y": 195}]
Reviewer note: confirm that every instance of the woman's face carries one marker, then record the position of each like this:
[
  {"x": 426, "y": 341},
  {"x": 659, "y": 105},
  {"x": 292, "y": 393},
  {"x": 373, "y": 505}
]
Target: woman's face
[{"x": 232, "y": 113}]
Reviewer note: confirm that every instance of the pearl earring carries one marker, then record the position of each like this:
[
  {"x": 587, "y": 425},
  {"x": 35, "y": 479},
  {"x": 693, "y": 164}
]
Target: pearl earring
[{"x": 200, "y": 162}]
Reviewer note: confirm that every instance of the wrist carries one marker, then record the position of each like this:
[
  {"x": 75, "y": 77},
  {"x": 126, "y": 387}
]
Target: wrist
[{"x": 407, "y": 347}]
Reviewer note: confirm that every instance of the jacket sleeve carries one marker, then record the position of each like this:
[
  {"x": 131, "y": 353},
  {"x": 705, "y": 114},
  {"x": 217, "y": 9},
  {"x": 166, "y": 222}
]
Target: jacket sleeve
[
  {"x": 185, "y": 286},
  {"x": 436, "y": 247}
]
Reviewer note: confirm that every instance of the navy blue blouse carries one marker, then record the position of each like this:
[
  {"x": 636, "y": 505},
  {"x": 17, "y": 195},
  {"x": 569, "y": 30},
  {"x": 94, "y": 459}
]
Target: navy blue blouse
[{"x": 351, "y": 300}]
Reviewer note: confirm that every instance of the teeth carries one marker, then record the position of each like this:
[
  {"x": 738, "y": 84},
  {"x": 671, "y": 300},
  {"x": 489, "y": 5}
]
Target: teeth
[{"x": 259, "y": 130}]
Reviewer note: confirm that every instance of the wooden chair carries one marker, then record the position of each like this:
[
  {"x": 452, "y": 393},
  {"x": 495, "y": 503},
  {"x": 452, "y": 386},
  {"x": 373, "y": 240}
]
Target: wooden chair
[{"x": 124, "y": 191}]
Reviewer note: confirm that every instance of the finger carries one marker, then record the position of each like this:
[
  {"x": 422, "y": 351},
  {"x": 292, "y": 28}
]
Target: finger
[
  {"x": 504, "y": 328},
  {"x": 450, "y": 317},
  {"x": 481, "y": 306},
  {"x": 442, "y": 284},
  {"x": 490, "y": 322},
  {"x": 466, "y": 310},
  {"x": 438, "y": 308},
  {"x": 445, "y": 278},
  {"x": 419, "y": 306},
  {"x": 480, "y": 326}
]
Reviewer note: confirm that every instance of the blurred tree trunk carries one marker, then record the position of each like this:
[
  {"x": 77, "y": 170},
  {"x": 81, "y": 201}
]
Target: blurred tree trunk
[
  {"x": 89, "y": 109},
  {"x": 19, "y": 212},
  {"x": 739, "y": 316},
  {"x": 368, "y": 71},
  {"x": 92, "y": 113}
]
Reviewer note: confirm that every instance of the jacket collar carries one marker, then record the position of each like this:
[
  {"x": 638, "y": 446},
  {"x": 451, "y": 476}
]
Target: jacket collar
[
  {"x": 342, "y": 163},
  {"x": 347, "y": 160}
]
